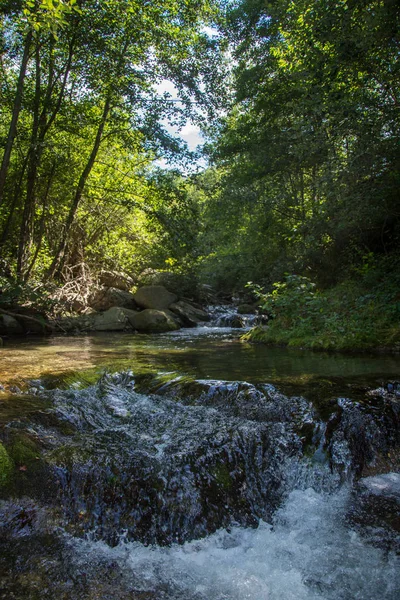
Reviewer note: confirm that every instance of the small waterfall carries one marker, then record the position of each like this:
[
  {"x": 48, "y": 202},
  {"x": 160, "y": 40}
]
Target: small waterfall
[{"x": 228, "y": 316}]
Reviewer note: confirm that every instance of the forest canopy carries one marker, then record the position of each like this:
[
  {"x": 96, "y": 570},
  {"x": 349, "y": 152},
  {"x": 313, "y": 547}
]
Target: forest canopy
[
  {"x": 298, "y": 102},
  {"x": 82, "y": 125}
]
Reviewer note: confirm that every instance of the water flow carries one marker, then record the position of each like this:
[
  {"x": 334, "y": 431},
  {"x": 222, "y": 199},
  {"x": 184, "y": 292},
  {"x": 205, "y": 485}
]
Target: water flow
[
  {"x": 228, "y": 316},
  {"x": 306, "y": 553},
  {"x": 173, "y": 488}
]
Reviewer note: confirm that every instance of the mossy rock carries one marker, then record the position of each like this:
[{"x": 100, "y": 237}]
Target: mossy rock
[
  {"x": 23, "y": 450},
  {"x": 6, "y": 466},
  {"x": 222, "y": 476},
  {"x": 246, "y": 309},
  {"x": 69, "y": 455}
]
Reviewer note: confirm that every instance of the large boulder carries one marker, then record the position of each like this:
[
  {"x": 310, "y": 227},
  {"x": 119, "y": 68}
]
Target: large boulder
[
  {"x": 177, "y": 283},
  {"x": 103, "y": 298},
  {"x": 247, "y": 309},
  {"x": 75, "y": 324},
  {"x": 114, "y": 319},
  {"x": 113, "y": 279},
  {"x": 154, "y": 296},
  {"x": 153, "y": 321},
  {"x": 190, "y": 315},
  {"x": 10, "y": 326}
]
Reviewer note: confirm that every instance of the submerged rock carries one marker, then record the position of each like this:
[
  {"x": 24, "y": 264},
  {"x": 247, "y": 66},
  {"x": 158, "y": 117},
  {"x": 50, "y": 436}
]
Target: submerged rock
[
  {"x": 166, "y": 460},
  {"x": 361, "y": 438},
  {"x": 375, "y": 509}
]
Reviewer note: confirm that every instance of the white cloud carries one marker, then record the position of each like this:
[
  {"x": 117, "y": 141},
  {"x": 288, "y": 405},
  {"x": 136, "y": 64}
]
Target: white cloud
[
  {"x": 190, "y": 132},
  {"x": 167, "y": 86}
]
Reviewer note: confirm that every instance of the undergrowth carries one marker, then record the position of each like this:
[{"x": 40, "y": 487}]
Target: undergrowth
[{"x": 361, "y": 313}]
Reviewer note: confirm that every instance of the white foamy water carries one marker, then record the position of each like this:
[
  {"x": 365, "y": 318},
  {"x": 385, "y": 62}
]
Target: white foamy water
[{"x": 308, "y": 553}]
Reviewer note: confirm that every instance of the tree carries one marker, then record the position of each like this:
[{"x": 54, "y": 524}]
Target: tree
[
  {"x": 89, "y": 82},
  {"x": 309, "y": 147}
]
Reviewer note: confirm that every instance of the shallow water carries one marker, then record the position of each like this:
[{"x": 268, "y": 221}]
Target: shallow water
[{"x": 204, "y": 352}]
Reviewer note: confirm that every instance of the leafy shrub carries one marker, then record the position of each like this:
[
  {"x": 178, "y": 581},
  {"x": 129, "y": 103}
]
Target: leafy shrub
[
  {"x": 353, "y": 315},
  {"x": 35, "y": 295}
]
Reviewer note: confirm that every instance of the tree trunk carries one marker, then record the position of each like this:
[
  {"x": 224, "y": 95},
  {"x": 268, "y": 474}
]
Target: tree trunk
[
  {"x": 26, "y": 232},
  {"x": 15, "y": 114},
  {"x": 42, "y": 223},
  {"x": 16, "y": 196},
  {"x": 60, "y": 253},
  {"x": 42, "y": 121}
]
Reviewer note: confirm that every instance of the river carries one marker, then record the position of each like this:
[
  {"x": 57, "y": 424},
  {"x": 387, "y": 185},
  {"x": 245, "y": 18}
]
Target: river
[{"x": 193, "y": 466}]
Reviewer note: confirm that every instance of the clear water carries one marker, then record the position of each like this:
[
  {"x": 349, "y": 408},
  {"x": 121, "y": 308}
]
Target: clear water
[{"x": 204, "y": 352}]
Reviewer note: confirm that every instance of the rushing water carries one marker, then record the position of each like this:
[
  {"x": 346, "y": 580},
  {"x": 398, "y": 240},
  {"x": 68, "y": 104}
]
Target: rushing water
[{"x": 237, "y": 472}]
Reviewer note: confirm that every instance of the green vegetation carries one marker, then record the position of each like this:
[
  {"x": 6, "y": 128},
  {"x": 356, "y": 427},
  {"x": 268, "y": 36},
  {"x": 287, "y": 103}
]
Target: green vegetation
[
  {"x": 23, "y": 451},
  {"x": 222, "y": 476},
  {"x": 302, "y": 136},
  {"x": 6, "y": 466},
  {"x": 82, "y": 126},
  {"x": 362, "y": 313}
]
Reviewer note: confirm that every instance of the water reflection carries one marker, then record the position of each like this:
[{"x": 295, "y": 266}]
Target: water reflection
[{"x": 203, "y": 353}]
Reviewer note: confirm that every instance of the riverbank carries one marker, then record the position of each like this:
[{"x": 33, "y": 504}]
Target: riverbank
[
  {"x": 356, "y": 315},
  {"x": 150, "y": 309}
]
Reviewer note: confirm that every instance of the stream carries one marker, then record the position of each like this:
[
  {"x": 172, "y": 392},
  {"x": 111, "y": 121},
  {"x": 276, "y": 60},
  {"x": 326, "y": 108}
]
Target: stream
[{"x": 194, "y": 466}]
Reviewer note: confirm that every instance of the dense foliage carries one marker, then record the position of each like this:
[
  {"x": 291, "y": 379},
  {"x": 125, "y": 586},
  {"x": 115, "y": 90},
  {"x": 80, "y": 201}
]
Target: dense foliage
[
  {"x": 362, "y": 313},
  {"x": 308, "y": 156},
  {"x": 303, "y": 138},
  {"x": 81, "y": 126}
]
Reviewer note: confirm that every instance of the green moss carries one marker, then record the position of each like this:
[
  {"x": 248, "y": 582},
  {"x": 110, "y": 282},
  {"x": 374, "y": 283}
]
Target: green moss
[
  {"x": 6, "y": 466},
  {"x": 23, "y": 450},
  {"x": 350, "y": 316},
  {"x": 69, "y": 455},
  {"x": 222, "y": 476},
  {"x": 181, "y": 386},
  {"x": 76, "y": 379}
]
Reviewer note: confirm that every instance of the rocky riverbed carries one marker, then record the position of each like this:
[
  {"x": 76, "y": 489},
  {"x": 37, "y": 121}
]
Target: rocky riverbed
[{"x": 148, "y": 486}]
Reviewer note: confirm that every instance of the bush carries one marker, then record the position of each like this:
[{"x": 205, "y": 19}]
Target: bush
[{"x": 353, "y": 315}]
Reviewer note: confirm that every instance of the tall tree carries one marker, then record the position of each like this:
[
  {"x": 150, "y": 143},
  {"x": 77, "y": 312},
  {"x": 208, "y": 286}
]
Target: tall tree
[
  {"x": 311, "y": 139},
  {"x": 89, "y": 88}
]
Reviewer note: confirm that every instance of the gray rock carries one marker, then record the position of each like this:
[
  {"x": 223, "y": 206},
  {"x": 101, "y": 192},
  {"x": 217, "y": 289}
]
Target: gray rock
[
  {"x": 190, "y": 315},
  {"x": 10, "y": 326},
  {"x": 387, "y": 484},
  {"x": 78, "y": 324},
  {"x": 246, "y": 309},
  {"x": 153, "y": 321},
  {"x": 154, "y": 296},
  {"x": 114, "y": 319},
  {"x": 177, "y": 283},
  {"x": 113, "y": 279},
  {"x": 103, "y": 298},
  {"x": 14, "y": 389}
]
